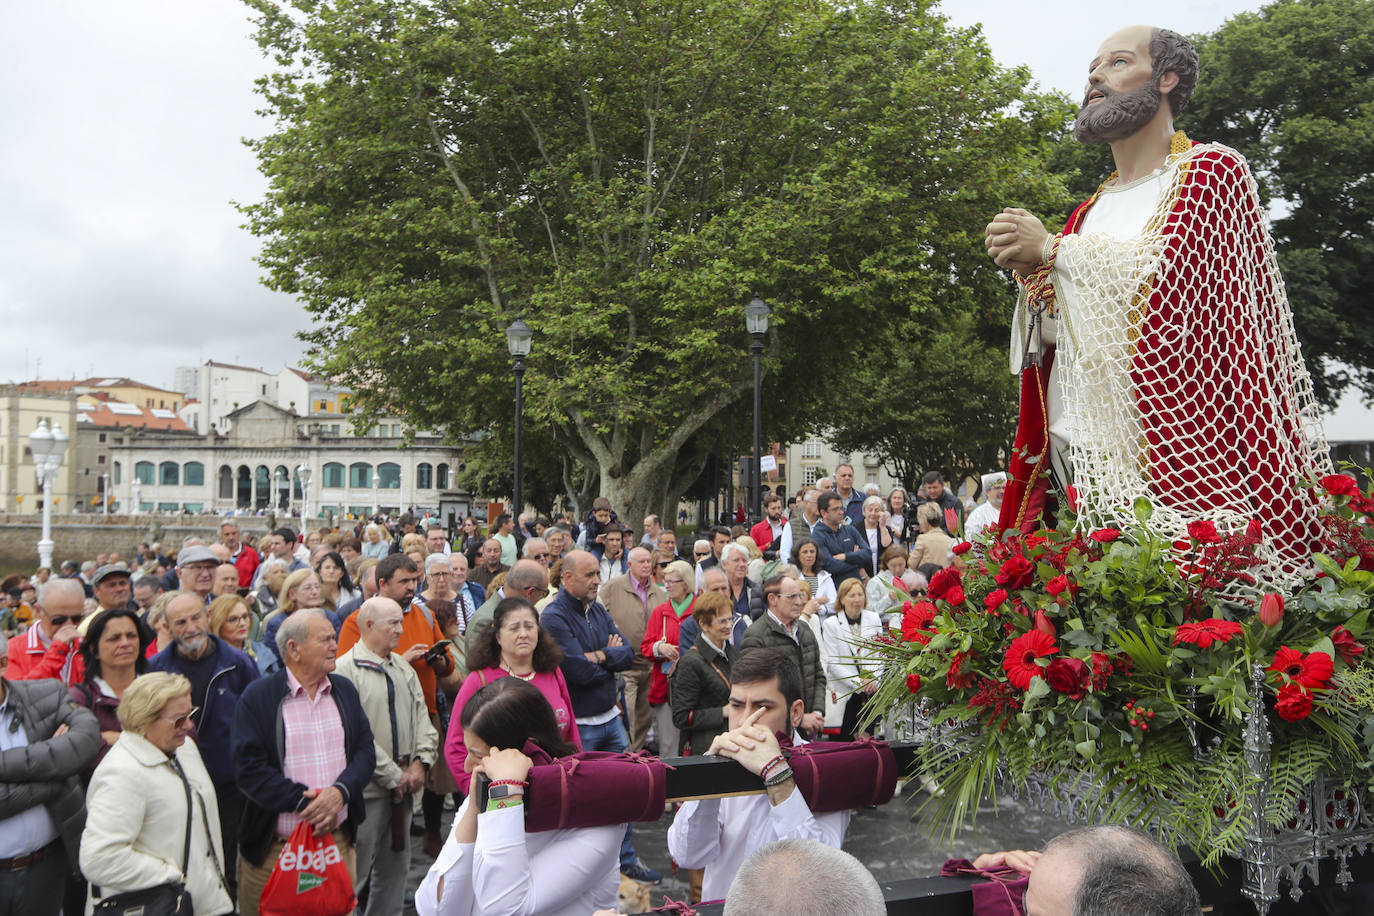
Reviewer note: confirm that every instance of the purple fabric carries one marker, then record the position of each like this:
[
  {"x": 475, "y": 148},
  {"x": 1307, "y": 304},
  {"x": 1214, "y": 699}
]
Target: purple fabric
[
  {"x": 839, "y": 776},
  {"x": 592, "y": 789},
  {"x": 1001, "y": 895}
]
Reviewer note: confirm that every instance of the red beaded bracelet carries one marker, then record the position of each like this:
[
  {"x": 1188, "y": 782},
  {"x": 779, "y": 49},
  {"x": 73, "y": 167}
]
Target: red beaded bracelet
[{"x": 509, "y": 782}]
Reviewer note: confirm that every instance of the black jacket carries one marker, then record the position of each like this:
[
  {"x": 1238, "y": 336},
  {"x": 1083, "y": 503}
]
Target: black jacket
[
  {"x": 258, "y": 744},
  {"x": 700, "y": 687}
]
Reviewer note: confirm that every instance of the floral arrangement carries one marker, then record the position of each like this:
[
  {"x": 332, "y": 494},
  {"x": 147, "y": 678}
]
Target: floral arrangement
[{"x": 1117, "y": 658}]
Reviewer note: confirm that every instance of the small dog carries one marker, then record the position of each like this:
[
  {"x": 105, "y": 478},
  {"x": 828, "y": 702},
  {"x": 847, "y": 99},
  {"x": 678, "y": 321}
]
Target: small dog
[{"x": 634, "y": 896}]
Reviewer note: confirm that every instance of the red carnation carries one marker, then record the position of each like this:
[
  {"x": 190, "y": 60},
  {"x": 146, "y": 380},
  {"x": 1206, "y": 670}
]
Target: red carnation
[
  {"x": 1203, "y": 531},
  {"x": 995, "y": 599},
  {"x": 955, "y": 595},
  {"x": 1312, "y": 670},
  {"x": 1020, "y": 661},
  {"x": 1015, "y": 573},
  {"x": 1069, "y": 675},
  {"x": 913, "y": 682},
  {"x": 1105, "y": 535},
  {"x": 1346, "y": 647},
  {"x": 1294, "y": 703},
  {"x": 1203, "y": 633},
  {"x": 961, "y": 548},
  {"x": 1057, "y": 585},
  {"x": 1340, "y": 485},
  {"x": 916, "y": 620}
]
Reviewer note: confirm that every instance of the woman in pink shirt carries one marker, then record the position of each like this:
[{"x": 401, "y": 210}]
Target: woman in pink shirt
[{"x": 513, "y": 645}]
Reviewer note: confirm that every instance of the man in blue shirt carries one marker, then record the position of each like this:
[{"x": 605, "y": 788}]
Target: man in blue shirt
[{"x": 842, "y": 554}]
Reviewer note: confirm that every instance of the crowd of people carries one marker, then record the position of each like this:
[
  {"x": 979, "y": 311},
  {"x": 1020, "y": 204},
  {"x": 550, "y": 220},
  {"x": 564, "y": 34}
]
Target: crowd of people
[{"x": 192, "y": 711}]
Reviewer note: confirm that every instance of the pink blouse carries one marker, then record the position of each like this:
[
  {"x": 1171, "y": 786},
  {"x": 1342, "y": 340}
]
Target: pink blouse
[{"x": 550, "y": 684}]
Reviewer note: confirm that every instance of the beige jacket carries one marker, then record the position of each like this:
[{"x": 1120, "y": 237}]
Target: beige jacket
[
  {"x": 627, "y": 610},
  {"x": 416, "y": 735}
]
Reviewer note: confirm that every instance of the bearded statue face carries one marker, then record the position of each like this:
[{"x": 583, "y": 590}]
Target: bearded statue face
[{"x": 1123, "y": 92}]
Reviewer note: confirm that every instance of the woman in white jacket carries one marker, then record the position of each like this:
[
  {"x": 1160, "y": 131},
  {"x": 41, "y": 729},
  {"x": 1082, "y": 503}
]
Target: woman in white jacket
[
  {"x": 136, "y": 806},
  {"x": 850, "y": 673},
  {"x": 489, "y": 865}
]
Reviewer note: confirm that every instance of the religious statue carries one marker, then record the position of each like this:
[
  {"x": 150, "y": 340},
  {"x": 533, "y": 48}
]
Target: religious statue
[{"x": 1153, "y": 335}]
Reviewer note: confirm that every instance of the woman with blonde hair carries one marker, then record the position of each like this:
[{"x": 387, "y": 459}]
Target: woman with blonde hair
[
  {"x": 300, "y": 592},
  {"x": 152, "y": 824},
  {"x": 850, "y": 674},
  {"x": 232, "y": 621},
  {"x": 932, "y": 544}
]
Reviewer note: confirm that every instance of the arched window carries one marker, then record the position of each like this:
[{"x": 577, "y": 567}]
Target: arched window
[
  {"x": 226, "y": 482},
  {"x": 390, "y": 474},
  {"x": 360, "y": 475},
  {"x": 442, "y": 477},
  {"x": 144, "y": 472},
  {"x": 169, "y": 473},
  {"x": 118, "y": 472},
  {"x": 424, "y": 476},
  {"x": 333, "y": 474},
  {"x": 193, "y": 474}
]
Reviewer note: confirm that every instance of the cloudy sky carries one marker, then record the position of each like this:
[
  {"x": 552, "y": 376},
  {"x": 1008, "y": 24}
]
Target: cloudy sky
[{"x": 120, "y": 251}]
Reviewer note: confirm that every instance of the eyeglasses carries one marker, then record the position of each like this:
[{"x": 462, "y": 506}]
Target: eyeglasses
[
  {"x": 538, "y": 556},
  {"x": 667, "y": 581},
  {"x": 179, "y": 721},
  {"x": 663, "y": 565},
  {"x": 701, "y": 553},
  {"x": 65, "y": 619}
]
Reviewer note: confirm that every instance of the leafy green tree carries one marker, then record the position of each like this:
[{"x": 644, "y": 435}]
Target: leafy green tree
[
  {"x": 1290, "y": 87},
  {"x": 944, "y": 402},
  {"x": 625, "y": 175}
]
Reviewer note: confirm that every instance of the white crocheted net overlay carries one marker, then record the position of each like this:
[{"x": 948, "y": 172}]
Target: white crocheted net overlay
[{"x": 1223, "y": 376}]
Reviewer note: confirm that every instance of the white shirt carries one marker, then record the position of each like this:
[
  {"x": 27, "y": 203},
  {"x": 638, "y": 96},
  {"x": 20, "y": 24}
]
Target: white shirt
[
  {"x": 508, "y": 871},
  {"x": 31, "y": 830},
  {"x": 984, "y": 515},
  {"x": 718, "y": 834}
]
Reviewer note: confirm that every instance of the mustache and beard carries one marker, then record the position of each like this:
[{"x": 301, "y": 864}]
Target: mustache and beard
[{"x": 1118, "y": 115}]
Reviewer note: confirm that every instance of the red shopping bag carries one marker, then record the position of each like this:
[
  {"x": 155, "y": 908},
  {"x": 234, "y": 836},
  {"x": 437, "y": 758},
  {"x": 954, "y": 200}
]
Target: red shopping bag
[{"x": 309, "y": 879}]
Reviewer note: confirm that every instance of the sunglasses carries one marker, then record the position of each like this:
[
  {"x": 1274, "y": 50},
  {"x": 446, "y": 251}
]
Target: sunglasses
[
  {"x": 663, "y": 565},
  {"x": 701, "y": 553},
  {"x": 180, "y": 721},
  {"x": 65, "y": 619}
]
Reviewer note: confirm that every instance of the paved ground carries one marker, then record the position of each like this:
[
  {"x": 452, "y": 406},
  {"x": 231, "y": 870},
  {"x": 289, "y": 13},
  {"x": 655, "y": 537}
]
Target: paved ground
[{"x": 886, "y": 839}]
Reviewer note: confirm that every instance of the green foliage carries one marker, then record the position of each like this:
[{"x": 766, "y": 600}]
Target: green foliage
[
  {"x": 625, "y": 176},
  {"x": 940, "y": 397},
  {"x": 1116, "y": 668},
  {"x": 1289, "y": 86}
]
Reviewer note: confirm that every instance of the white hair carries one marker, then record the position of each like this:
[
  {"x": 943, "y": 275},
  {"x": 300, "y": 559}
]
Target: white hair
[
  {"x": 874, "y": 500},
  {"x": 779, "y": 880},
  {"x": 296, "y": 627},
  {"x": 275, "y": 563},
  {"x": 56, "y": 586},
  {"x": 529, "y": 545},
  {"x": 435, "y": 561},
  {"x": 732, "y": 548}
]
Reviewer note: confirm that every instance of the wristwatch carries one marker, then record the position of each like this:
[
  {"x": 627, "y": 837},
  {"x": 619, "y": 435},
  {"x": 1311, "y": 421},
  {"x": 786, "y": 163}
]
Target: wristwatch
[{"x": 496, "y": 792}]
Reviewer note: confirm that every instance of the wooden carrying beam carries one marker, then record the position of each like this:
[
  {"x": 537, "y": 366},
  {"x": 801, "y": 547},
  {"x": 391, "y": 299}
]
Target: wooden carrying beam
[{"x": 715, "y": 777}]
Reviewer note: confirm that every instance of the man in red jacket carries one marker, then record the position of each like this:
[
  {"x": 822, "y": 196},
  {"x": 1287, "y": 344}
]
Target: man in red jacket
[
  {"x": 769, "y": 530},
  {"x": 49, "y": 647}
]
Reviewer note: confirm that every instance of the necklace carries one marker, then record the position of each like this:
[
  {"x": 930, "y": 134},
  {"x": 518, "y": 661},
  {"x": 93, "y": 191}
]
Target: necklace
[{"x": 523, "y": 677}]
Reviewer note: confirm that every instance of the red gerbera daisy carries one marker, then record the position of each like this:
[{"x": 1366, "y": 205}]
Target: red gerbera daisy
[
  {"x": 1312, "y": 670},
  {"x": 1020, "y": 662},
  {"x": 916, "y": 620},
  {"x": 1203, "y": 633}
]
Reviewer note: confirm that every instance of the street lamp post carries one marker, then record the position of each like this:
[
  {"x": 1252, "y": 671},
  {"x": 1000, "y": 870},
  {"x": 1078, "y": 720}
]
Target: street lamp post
[
  {"x": 756, "y": 320},
  {"x": 138, "y": 500},
  {"x": 48, "y": 446},
  {"x": 376, "y": 493},
  {"x": 303, "y": 475},
  {"x": 518, "y": 337},
  {"x": 105, "y": 493}
]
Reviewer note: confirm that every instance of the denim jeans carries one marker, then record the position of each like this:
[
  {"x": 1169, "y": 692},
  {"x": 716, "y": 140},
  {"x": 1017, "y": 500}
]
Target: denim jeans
[{"x": 610, "y": 736}]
